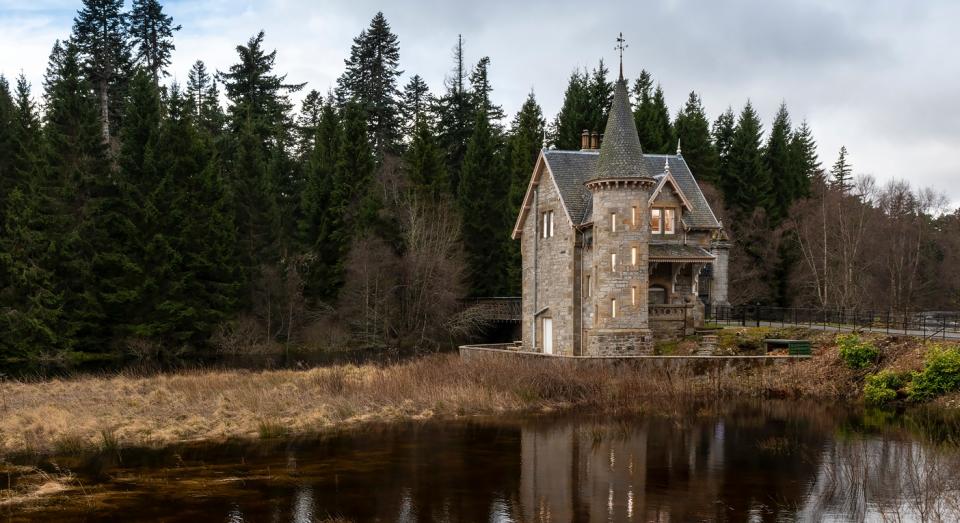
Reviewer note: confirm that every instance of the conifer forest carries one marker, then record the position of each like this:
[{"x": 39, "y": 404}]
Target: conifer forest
[{"x": 244, "y": 210}]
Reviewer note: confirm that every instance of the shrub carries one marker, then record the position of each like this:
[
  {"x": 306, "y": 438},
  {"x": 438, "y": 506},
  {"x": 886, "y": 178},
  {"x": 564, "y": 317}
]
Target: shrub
[
  {"x": 855, "y": 352},
  {"x": 940, "y": 374},
  {"x": 882, "y": 387}
]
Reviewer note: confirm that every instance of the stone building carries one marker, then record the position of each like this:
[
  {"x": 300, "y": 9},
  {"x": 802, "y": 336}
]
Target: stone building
[{"x": 618, "y": 246}]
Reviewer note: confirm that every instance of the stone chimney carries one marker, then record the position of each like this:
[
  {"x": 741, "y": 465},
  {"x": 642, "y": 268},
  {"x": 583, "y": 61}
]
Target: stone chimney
[
  {"x": 595, "y": 140},
  {"x": 584, "y": 140}
]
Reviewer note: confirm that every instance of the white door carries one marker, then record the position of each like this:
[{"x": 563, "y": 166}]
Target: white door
[{"x": 548, "y": 336}]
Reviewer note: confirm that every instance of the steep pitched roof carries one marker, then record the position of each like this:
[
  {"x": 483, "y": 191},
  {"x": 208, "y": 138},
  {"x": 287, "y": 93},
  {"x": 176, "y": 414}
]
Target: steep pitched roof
[
  {"x": 571, "y": 169},
  {"x": 620, "y": 153}
]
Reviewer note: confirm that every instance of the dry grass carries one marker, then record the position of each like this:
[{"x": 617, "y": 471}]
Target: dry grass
[{"x": 69, "y": 415}]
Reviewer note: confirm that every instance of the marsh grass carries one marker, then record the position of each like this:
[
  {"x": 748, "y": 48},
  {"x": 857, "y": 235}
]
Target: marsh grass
[{"x": 82, "y": 414}]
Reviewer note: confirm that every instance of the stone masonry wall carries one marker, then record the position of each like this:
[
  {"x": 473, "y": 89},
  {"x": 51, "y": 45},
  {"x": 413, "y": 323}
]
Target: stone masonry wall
[
  {"x": 552, "y": 267},
  {"x": 628, "y": 332}
]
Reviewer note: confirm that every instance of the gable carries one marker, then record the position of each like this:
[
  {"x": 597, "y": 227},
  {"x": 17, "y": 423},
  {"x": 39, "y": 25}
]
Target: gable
[
  {"x": 541, "y": 174},
  {"x": 668, "y": 189}
]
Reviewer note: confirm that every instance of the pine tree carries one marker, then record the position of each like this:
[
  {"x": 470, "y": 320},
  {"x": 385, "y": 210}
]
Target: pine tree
[
  {"x": 370, "y": 80},
  {"x": 204, "y": 102},
  {"x": 747, "y": 185},
  {"x": 481, "y": 91},
  {"x": 264, "y": 187},
  {"x": 723, "y": 129},
  {"x": 77, "y": 169},
  {"x": 100, "y": 33},
  {"x": 424, "y": 166},
  {"x": 455, "y": 117},
  {"x": 777, "y": 161},
  {"x": 319, "y": 218},
  {"x": 804, "y": 160},
  {"x": 481, "y": 202},
  {"x": 573, "y": 117},
  {"x": 151, "y": 32},
  {"x": 653, "y": 122},
  {"x": 416, "y": 105},
  {"x": 9, "y": 178},
  {"x": 28, "y": 307},
  {"x": 600, "y": 95},
  {"x": 524, "y": 146},
  {"x": 841, "y": 174},
  {"x": 693, "y": 137}
]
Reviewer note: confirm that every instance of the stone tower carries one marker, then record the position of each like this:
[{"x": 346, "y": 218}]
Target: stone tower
[{"x": 620, "y": 191}]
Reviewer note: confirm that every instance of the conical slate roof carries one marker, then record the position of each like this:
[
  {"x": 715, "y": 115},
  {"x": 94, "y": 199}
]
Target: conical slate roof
[{"x": 620, "y": 153}]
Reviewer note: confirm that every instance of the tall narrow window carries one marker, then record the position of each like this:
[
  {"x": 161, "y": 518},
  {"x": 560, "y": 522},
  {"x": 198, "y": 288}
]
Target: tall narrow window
[
  {"x": 633, "y": 256},
  {"x": 546, "y": 225},
  {"x": 589, "y": 287},
  {"x": 669, "y": 221},
  {"x": 551, "y": 224},
  {"x": 613, "y": 308},
  {"x": 613, "y": 262},
  {"x": 633, "y": 295},
  {"x": 633, "y": 216},
  {"x": 613, "y": 222},
  {"x": 655, "y": 220}
]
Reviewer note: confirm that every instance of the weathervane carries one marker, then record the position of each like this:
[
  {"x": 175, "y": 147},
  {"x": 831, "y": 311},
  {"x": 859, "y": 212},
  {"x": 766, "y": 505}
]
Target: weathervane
[{"x": 621, "y": 45}]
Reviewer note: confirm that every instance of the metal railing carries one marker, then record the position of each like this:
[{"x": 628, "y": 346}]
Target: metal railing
[{"x": 927, "y": 324}]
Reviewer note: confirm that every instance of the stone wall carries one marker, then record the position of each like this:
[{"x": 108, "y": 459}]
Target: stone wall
[
  {"x": 719, "y": 292},
  {"x": 548, "y": 275},
  {"x": 628, "y": 331}
]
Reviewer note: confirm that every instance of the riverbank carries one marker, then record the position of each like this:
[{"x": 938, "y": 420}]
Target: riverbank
[{"x": 72, "y": 415}]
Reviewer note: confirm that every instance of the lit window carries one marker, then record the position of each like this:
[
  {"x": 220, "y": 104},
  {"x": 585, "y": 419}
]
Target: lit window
[
  {"x": 613, "y": 262},
  {"x": 613, "y": 222},
  {"x": 633, "y": 216},
  {"x": 633, "y": 256},
  {"x": 669, "y": 222},
  {"x": 633, "y": 296},
  {"x": 613, "y": 308},
  {"x": 655, "y": 220},
  {"x": 548, "y": 224}
]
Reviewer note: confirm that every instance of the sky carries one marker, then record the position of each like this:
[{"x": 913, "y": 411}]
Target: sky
[{"x": 879, "y": 76}]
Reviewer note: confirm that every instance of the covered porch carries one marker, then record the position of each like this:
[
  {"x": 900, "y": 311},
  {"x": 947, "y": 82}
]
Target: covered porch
[{"x": 674, "y": 305}]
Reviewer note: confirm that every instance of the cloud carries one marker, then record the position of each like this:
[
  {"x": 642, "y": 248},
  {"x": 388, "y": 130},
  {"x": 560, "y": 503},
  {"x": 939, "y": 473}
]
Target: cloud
[{"x": 875, "y": 76}]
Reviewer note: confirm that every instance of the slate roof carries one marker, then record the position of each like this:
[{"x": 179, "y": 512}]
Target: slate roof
[
  {"x": 620, "y": 153},
  {"x": 572, "y": 168},
  {"x": 673, "y": 252}
]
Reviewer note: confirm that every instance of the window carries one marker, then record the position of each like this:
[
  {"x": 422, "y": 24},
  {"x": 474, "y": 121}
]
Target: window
[
  {"x": 633, "y": 256},
  {"x": 657, "y": 295},
  {"x": 633, "y": 216},
  {"x": 613, "y": 308},
  {"x": 613, "y": 262},
  {"x": 633, "y": 296},
  {"x": 663, "y": 221},
  {"x": 589, "y": 287},
  {"x": 613, "y": 222},
  {"x": 669, "y": 222},
  {"x": 548, "y": 224}
]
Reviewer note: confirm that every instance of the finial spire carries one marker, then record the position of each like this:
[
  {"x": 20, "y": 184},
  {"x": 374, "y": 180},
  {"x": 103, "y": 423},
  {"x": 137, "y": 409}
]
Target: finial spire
[
  {"x": 621, "y": 45},
  {"x": 679, "y": 151},
  {"x": 544, "y": 138},
  {"x": 666, "y": 165}
]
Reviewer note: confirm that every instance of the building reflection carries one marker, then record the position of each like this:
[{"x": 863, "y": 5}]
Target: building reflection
[{"x": 658, "y": 470}]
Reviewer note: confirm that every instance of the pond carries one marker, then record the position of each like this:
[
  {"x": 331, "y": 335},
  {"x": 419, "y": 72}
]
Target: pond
[{"x": 762, "y": 461}]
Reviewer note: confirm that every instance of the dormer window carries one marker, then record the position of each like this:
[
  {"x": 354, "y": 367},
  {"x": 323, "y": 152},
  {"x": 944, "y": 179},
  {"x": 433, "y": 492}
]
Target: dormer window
[{"x": 663, "y": 221}]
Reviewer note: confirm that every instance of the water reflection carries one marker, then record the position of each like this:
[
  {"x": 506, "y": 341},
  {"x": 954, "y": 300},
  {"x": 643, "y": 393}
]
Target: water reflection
[{"x": 763, "y": 462}]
